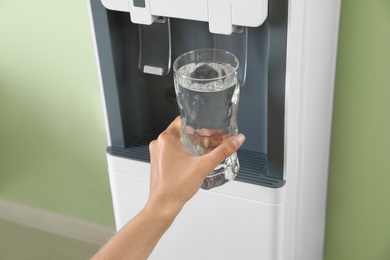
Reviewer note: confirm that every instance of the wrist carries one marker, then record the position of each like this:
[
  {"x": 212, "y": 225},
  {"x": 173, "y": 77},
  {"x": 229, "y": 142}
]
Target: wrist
[{"x": 166, "y": 212}]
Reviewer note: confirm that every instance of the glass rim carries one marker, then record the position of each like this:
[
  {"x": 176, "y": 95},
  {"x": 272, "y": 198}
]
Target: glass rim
[{"x": 235, "y": 68}]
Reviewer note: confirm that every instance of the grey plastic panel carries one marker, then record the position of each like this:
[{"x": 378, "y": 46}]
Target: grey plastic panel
[{"x": 278, "y": 11}]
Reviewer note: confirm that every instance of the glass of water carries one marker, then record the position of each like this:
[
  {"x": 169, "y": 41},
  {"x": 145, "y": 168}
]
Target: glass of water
[{"x": 207, "y": 92}]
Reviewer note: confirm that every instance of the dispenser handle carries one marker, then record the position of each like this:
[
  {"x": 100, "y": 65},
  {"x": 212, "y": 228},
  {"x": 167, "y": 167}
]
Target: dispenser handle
[
  {"x": 236, "y": 43},
  {"x": 155, "y": 47}
]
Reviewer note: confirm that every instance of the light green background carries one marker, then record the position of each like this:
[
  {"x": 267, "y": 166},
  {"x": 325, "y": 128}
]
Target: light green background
[{"x": 52, "y": 138}]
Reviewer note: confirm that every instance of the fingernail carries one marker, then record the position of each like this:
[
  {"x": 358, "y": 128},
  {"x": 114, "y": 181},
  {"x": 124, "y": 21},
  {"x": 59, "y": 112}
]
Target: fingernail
[
  {"x": 238, "y": 140},
  {"x": 206, "y": 142}
]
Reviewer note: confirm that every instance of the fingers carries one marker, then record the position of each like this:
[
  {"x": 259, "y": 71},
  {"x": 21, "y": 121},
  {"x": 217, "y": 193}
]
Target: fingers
[
  {"x": 217, "y": 148},
  {"x": 226, "y": 148}
]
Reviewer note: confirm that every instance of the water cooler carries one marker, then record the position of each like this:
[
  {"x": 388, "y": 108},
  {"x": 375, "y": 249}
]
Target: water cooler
[{"x": 275, "y": 208}]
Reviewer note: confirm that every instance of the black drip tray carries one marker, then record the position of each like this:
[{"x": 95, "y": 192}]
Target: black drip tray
[
  {"x": 253, "y": 169},
  {"x": 253, "y": 165}
]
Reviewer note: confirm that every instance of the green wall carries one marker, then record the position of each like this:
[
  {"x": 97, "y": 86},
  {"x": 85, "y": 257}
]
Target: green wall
[
  {"x": 358, "y": 219},
  {"x": 52, "y": 136}
]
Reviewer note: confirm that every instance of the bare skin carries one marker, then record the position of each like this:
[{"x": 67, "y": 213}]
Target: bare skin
[{"x": 175, "y": 176}]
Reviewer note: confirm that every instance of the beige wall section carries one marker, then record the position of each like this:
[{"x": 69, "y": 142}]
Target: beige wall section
[{"x": 52, "y": 137}]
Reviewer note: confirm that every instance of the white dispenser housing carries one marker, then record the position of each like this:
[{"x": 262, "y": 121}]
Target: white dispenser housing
[
  {"x": 275, "y": 209},
  {"x": 223, "y": 16}
]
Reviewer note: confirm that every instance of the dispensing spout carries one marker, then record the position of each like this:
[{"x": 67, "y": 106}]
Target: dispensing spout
[{"x": 155, "y": 47}]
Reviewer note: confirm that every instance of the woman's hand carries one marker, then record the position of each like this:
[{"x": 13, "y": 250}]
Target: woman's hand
[{"x": 177, "y": 174}]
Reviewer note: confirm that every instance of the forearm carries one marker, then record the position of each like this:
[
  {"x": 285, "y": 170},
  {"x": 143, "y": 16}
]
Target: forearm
[{"x": 137, "y": 239}]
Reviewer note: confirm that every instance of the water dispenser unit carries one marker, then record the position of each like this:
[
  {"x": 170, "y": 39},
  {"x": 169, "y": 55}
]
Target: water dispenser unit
[{"x": 275, "y": 208}]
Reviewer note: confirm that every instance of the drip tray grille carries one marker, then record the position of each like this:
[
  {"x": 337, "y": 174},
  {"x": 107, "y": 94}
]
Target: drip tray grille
[{"x": 253, "y": 165}]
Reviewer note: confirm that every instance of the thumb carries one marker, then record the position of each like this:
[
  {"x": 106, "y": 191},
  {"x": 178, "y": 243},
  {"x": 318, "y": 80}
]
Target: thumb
[{"x": 225, "y": 149}]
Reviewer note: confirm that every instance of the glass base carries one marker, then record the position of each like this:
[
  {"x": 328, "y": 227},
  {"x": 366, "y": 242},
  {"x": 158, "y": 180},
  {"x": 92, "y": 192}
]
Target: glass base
[{"x": 223, "y": 173}]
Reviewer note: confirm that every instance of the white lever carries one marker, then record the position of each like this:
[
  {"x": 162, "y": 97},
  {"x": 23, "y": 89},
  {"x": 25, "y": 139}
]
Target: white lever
[
  {"x": 140, "y": 12},
  {"x": 220, "y": 17}
]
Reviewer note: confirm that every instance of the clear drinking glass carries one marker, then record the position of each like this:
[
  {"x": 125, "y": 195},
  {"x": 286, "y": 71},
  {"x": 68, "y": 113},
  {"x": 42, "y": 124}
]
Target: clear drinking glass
[{"x": 207, "y": 92}]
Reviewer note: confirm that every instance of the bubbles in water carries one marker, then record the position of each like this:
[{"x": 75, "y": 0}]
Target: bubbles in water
[{"x": 195, "y": 76}]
